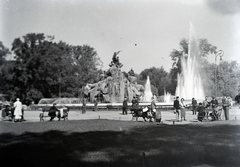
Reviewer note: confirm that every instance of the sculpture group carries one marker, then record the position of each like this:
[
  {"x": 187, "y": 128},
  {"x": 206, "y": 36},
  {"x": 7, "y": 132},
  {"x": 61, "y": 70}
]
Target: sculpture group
[{"x": 115, "y": 84}]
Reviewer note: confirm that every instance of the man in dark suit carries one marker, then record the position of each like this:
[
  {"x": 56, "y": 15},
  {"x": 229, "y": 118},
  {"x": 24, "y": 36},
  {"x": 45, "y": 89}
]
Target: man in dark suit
[
  {"x": 125, "y": 106},
  {"x": 176, "y": 106}
]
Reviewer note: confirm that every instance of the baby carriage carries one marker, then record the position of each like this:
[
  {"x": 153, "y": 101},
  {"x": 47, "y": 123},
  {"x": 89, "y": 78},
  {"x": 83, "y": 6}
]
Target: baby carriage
[
  {"x": 216, "y": 114},
  {"x": 7, "y": 111}
]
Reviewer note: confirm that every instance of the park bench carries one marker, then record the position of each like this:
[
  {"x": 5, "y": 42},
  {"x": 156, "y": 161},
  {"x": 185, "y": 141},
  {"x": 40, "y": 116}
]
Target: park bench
[{"x": 63, "y": 114}]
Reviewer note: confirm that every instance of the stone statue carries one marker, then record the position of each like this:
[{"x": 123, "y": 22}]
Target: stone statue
[
  {"x": 115, "y": 60},
  {"x": 114, "y": 84},
  {"x": 131, "y": 73}
]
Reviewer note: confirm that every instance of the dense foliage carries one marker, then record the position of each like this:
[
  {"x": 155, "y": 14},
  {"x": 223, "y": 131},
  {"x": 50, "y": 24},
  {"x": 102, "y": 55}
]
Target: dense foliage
[
  {"x": 43, "y": 68},
  {"x": 159, "y": 79},
  {"x": 3, "y": 63}
]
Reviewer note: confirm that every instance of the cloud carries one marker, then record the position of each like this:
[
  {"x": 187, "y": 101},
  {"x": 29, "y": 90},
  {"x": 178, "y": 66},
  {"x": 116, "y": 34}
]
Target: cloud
[{"x": 226, "y": 7}]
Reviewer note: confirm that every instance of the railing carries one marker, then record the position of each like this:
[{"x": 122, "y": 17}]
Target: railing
[{"x": 108, "y": 105}]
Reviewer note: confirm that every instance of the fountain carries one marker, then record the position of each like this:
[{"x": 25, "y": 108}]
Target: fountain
[
  {"x": 147, "y": 92},
  {"x": 189, "y": 82},
  {"x": 167, "y": 97},
  {"x": 114, "y": 84}
]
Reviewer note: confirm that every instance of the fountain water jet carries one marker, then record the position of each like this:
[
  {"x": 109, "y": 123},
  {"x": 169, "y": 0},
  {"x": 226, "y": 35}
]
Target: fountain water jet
[
  {"x": 167, "y": 97},
  {"x": 147, "y": 91},
  {"x": 189, "y": 82}
]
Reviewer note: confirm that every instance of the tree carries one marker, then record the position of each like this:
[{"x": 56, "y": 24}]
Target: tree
[
  {"x": 29, "y": 79},
  {"x": 43, "y": 68},
  {"x": 86, "y": 63},
  {"x": 228, "y": 78},
  {"x": 3, "y": 64},
  {"x": 3, "y": 53}
]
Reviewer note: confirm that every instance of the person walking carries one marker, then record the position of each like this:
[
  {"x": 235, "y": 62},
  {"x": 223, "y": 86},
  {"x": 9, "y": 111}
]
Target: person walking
[
  {"x": 95, "y": 104},
  {"x": 214, "y": 103},
  {"x": 194, "y": 106},
  {"x": 183, "y": 110},
  {"x": 176, "y": 107},
  {"x": 206, "y": 106},
  {"x": 84, "y": 105},
  {"x": 17, "y": 110},
  {"x": 226, "y": 104},
  {"x": 125, "y": 106},
  {"x": 153, "y": 105}
]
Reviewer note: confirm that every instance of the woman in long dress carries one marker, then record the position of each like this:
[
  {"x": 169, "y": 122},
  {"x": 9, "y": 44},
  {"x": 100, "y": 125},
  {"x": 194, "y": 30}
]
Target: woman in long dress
[
  {"x": 183, "y": 110},
  {"x": 18, "y": 110}
]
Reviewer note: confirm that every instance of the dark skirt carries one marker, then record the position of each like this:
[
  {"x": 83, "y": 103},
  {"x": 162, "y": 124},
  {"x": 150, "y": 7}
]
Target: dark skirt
[{"x": 183, "y": 113}]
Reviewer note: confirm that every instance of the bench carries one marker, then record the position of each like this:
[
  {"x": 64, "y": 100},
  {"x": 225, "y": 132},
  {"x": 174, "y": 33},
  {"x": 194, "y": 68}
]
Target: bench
[{"x": 63, "y": 114}]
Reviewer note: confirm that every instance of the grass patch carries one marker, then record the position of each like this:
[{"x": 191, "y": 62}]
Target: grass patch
[{"x": 119, "y": 143}]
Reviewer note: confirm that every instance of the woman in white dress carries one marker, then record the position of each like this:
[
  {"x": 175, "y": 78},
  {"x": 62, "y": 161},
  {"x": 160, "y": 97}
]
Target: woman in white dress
[{"x": 18, "y": 110}]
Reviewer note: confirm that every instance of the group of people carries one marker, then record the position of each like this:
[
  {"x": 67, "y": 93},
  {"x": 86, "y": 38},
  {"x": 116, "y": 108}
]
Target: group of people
[
  {"x": 180, "y": 108},
  {"x": 214, "y": 106},
  {"x": 203, "y": 108},
  {"x": 84, "y": 105},
  {"x": 56, "y": 112},
  {"x": 14, "y": 111},
  {"x": 135, "y": 105}
]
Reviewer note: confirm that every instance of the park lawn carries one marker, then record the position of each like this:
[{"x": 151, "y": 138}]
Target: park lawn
[{"x": 119, "y": 143}]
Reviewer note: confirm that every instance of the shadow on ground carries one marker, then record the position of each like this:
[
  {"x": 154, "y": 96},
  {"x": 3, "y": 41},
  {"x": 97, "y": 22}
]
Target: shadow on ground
[{"x": 128, "y": 145}]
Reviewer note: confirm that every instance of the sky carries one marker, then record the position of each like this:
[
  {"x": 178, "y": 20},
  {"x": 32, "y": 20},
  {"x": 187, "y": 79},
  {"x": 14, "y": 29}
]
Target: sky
[{"x": 146, "y": 31}]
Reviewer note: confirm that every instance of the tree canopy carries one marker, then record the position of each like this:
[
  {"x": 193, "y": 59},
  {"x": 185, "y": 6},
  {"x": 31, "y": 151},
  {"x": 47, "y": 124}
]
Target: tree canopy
[
  {"x": 43, "y": 68},
  {"x": 3, "y": 63}
]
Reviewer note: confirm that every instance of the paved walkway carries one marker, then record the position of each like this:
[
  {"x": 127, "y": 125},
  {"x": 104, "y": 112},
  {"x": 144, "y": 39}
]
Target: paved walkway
[{"x": 167, "y": 116}]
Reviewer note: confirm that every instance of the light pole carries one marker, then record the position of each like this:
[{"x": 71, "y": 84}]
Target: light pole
[{"x": 217, "y": 53}]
